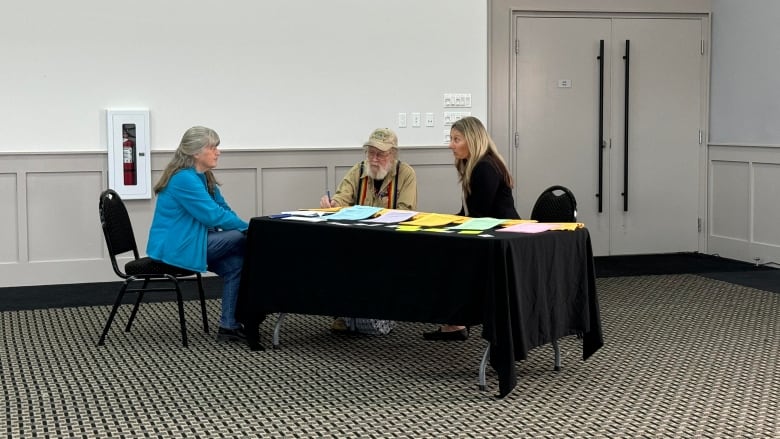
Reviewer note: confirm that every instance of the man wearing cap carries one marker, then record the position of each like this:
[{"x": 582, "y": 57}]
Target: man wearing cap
[{"x": 381, "y": 180}]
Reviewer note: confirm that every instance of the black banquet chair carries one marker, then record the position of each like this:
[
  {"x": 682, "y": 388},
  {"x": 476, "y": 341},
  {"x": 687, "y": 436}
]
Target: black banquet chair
[
  {"x": 141, "y": 275},
  {"x": 556, "y": 204}
]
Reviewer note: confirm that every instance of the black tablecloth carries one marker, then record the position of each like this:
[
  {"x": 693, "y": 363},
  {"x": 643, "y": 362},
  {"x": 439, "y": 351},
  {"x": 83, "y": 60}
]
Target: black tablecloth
[{"x": 525, "y": 289}]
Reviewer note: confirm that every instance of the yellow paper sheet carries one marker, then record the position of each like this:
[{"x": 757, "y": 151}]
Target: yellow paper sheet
[
  {"x": 512, "y": 222},
  {"x": 434, "y": 220},
  {"x": 567, "y": 226},
  {"x": 325, "y": 209}
]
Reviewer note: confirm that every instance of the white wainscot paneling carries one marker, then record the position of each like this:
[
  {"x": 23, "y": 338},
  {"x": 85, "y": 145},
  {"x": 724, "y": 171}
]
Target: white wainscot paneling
[
  {"x": 62, "y": 216},
  {"x": 9, "y": 233},
  {"x": 49, "y": 202},
  {"x": 730, "y": 189},
  {"x": 141, "y": 212},
  {"x": 766, "y": 203},
  {"x": 341, "y": 171},
  {"x": 292, "y": 188},
  {"x": 437, "y": 188},
  {"x": 239, "y": 187},
  {"x": 744, "y": 212}
]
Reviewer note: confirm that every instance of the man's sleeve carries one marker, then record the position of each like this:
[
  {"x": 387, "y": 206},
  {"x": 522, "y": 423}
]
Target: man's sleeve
[
  {"x": 347, "y": 191},
  {"x": 407, "y": 188}
]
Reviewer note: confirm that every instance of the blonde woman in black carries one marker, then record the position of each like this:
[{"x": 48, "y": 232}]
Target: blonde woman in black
[{"x": 486, "y": 189}]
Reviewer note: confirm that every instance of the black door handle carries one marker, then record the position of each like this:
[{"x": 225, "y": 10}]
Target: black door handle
[
  {"x": 625, "y": 133},
  {"x": 600, "y": 140}
]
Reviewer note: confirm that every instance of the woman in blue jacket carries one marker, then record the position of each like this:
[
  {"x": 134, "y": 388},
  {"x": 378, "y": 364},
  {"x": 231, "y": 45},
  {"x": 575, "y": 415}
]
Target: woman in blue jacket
[{"x": 193, "y": 226}]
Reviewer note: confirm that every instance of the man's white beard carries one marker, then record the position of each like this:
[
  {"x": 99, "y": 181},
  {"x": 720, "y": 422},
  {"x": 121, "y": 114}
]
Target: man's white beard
[{"x": 380, "y": 173}]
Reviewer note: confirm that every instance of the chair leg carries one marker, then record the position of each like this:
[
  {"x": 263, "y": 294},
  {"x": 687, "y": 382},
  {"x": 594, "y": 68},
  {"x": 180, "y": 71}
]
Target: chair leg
[
  {"x": 138, "y": 301},
  {"x": 202, "y": 296},
  {"x": 111, "y": 316},
  {"x": 180, "y": 301}
]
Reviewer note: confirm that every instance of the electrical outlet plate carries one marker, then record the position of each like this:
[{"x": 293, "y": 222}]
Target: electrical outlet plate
[
  {"x": 450, "y": 117},
  {"x": 416, "y": 120},
  {"x": 429, "y": 119},
  {"x": 401, "y": 120},
  {"x": 457, "y": 100}
]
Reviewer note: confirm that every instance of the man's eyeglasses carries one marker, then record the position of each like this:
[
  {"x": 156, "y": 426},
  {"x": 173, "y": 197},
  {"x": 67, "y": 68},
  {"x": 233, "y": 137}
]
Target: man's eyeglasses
[{"x": 375, "y": 153}]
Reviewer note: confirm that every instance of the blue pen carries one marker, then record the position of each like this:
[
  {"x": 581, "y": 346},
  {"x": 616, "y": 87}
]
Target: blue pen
[{"x": 327, "y": 191}]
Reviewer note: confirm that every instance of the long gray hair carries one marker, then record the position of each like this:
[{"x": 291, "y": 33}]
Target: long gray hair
[{"x": 192, "y": 142}]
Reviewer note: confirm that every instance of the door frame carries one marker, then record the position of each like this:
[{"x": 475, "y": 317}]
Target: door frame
[{"x": 501, "y": 66}]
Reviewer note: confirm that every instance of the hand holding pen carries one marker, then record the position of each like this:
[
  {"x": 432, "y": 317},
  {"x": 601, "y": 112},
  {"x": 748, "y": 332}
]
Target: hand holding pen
[{"x": 326, "y": 201}]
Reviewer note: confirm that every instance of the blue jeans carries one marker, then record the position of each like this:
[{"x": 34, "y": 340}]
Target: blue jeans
[{"x": 225, "y": 256}]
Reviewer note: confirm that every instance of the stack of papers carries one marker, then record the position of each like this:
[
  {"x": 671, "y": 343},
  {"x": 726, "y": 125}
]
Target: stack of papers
[
  {"x": 434, "y": 220},
  {"x": 479, "y": 224},
  {"x": 356, "y": 212},
  {"x": 409, "y": 220},
  {"x": 310, "y": 219},
  {"x": 512, "y": 222},
  {"x": 389, "y": 216},
  {"x": 541, "y": 227},
  {"x": 310, "y": 213}
]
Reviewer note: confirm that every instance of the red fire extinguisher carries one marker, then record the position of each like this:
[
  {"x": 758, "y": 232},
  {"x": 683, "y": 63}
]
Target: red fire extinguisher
[{"x": 128, "y": 153}]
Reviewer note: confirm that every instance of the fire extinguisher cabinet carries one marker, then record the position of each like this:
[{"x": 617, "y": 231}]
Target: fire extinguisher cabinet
[{"x": 129, "y": 167}]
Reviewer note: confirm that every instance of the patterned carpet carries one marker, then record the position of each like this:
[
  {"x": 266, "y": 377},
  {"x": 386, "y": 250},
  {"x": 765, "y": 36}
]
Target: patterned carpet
[{"x": 684, "y": 356}]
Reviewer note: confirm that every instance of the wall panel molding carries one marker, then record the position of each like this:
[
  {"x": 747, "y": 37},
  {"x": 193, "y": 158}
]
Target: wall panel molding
[
  {"x": 742, "y": 208},
  {"x": 49, "y": 201},
  {"x": 742, "y": 202},
  {"x": 9, "y": 217}
]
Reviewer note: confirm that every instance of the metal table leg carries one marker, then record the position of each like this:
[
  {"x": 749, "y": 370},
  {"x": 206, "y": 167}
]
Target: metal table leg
[
  {"x": 277, "y": 329},
  {"x": 482, "y": 367}
]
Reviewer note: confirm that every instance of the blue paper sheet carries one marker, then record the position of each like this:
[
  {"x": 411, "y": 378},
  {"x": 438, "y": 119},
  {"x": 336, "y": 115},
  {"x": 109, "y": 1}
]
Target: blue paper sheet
[{"x": 357, "y": 212}]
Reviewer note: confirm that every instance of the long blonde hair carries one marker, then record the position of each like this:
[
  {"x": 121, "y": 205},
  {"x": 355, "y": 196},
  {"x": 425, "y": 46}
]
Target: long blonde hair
[
  {"x": 480, "y": 145},
  {"x": 192, "y": 142}
]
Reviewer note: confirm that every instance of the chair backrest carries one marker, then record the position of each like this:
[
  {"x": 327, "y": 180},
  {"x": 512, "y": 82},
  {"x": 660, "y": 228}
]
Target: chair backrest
[
  {"x": 556, "y": 204},
  {"x": 117, "y": 228}
]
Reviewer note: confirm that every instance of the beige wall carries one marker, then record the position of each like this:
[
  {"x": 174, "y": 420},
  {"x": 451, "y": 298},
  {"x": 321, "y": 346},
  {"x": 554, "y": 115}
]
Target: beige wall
[
  {"x": 60, "y": 77},
  {"x": 289, "y": 86},
  {"x": 291, "y": 73}
]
